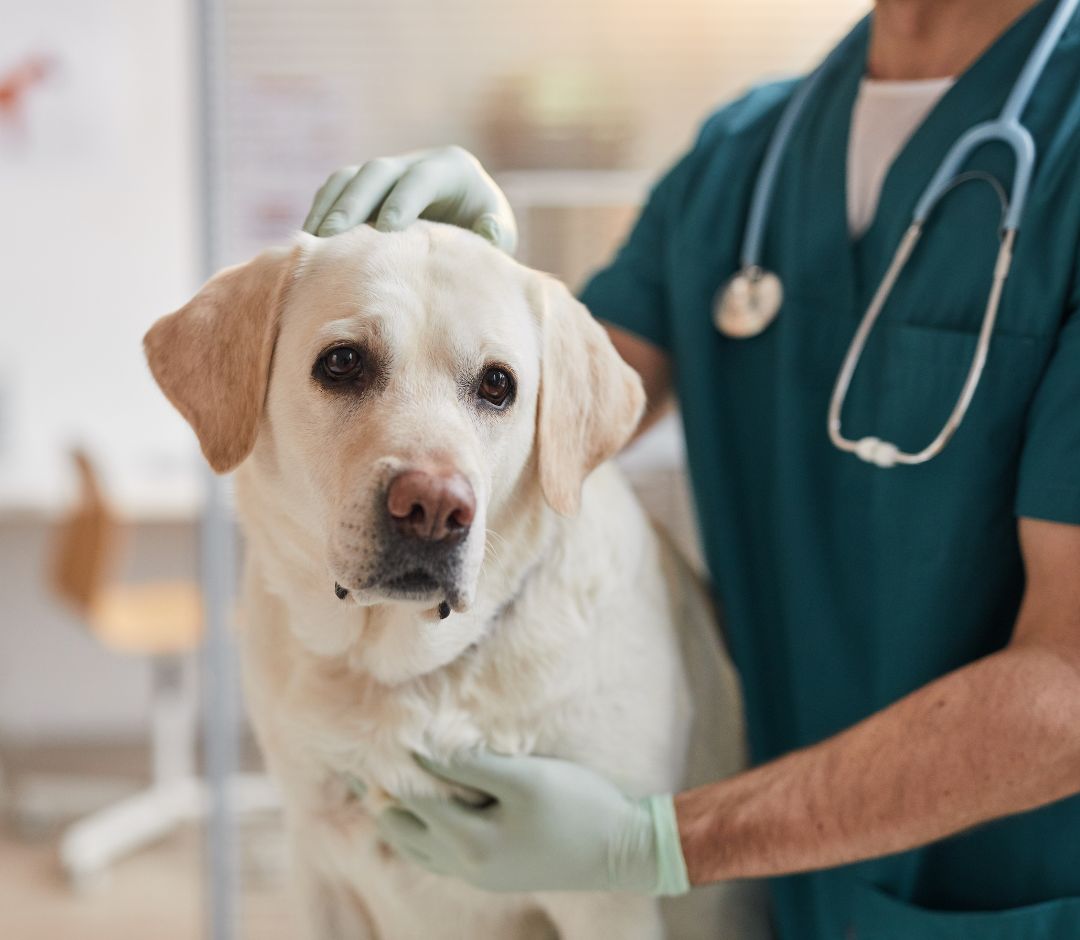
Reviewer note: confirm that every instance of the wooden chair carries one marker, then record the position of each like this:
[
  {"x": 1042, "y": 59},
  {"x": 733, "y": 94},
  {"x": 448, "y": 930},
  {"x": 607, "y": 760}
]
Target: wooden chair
[{"x": 160, "y": 620}]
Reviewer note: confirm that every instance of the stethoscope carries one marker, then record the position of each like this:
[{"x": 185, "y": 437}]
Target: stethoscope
[{"x": 750, "y": 300}]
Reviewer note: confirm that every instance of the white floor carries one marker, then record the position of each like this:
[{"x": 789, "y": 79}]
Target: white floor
[{"x": 156, "y": 893}]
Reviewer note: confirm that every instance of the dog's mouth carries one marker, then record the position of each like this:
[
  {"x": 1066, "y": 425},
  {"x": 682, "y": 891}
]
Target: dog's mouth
[
  {"x": 415, "y": 584},
  {"x": 399, "y": 570}
]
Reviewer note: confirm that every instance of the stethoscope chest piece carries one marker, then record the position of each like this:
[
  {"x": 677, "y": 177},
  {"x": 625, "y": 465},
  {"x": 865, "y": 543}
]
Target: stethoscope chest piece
[{"x": 748, "y": 303}]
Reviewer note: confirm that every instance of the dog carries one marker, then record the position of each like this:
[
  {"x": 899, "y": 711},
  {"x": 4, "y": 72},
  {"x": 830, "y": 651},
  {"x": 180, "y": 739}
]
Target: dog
[{"x": 440, "y": 556}]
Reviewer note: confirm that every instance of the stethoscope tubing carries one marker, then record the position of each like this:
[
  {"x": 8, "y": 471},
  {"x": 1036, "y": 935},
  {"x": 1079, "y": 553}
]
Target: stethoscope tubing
[
  {"x": 1006, "y": 128},
  {"x": 765, "y": 184},
  {"x": 883, "y": 453}
]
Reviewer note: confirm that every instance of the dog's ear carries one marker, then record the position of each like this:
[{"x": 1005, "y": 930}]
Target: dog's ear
[
  {"x": 590, "y": 399},
  {"x": 212, "y": 356}
]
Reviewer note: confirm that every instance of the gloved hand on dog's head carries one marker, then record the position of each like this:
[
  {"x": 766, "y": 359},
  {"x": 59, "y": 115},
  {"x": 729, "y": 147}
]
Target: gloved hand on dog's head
[{"x": 446, "y": 184}]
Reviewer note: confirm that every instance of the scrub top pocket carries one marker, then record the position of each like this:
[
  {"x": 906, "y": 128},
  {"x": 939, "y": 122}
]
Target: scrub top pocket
[
  {"x": 877, "y": 915},
  {"x": 951, "y": 505},
  {"x": 923, "y": 373}
]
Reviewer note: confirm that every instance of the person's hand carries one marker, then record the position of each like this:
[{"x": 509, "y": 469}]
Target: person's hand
[
  {"x": 549, "y": 825},
  {"x": 446, "y": 184}
]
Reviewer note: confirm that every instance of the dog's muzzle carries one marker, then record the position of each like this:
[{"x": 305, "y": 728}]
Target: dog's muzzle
[{"x": 424, "y": 518}]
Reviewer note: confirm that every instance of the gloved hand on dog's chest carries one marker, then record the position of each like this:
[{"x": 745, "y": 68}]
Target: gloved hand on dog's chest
[{"x": 551, "y": 825}]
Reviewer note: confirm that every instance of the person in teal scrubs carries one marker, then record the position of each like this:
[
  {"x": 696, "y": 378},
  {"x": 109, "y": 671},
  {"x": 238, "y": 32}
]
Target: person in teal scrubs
[{"x": 908, "y": 638}]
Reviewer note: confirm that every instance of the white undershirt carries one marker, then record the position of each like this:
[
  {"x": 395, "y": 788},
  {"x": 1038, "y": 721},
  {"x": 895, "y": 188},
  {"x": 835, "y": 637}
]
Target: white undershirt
[{"x": 885, "y": 116}]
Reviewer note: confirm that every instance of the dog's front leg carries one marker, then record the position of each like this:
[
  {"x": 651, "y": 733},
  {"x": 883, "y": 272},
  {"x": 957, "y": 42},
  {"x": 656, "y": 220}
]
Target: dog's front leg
[{"x": 587, "y": 916}]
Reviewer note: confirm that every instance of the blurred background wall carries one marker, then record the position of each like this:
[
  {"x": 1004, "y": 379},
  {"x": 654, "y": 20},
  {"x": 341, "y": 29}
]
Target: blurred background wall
[
  {"x": 97, "y": 193},
  {"x": 575, "y": 105},
  {"x": 600, "y": 84},
  {"x": 99, "y": 175}
]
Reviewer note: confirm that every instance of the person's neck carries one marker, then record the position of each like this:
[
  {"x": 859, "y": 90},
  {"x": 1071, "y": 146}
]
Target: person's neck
[{"x": 921, "y": 39}]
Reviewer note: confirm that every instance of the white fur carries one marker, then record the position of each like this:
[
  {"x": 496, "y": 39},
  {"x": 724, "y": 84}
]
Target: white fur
[{"x": 563, "y": 641}]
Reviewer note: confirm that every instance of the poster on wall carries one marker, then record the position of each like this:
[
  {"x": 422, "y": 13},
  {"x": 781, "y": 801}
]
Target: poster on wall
[
  {"x": 60, "y": 87},
  {"x": 285, "y": 135}
]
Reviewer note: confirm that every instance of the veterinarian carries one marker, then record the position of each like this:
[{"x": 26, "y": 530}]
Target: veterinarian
[{"x": 901, "y": 589}]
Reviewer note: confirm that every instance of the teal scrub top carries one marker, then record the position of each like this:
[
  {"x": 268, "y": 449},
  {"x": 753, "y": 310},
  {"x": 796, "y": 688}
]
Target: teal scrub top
[{"x": 846, "y": 586}]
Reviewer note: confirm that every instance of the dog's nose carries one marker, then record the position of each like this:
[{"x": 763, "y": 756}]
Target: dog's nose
[{"x": 431, "y": 506}]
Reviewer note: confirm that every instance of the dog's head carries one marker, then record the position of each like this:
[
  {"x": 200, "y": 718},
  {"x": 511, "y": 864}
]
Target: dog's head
[{"x": 401, "y": 393}]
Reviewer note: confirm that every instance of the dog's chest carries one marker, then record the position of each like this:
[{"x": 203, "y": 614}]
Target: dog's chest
[
  {"x": 358, "y": 736},
  {"x": 531, "y": 683}
]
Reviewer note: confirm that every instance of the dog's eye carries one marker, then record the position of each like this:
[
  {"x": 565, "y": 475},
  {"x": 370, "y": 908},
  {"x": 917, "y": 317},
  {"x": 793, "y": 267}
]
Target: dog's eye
[
  {"x": 341, "y": 362},
  {"x": 496, "y": 386}
]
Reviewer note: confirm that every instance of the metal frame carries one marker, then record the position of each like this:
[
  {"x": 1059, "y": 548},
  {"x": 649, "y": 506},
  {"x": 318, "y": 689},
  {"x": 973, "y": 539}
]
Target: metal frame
[{"x": 217, "y": 538}]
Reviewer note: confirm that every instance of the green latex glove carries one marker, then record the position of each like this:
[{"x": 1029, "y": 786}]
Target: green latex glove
[
  {"x": 549, "y": 825},
  {"x": 446, "y": 184}
]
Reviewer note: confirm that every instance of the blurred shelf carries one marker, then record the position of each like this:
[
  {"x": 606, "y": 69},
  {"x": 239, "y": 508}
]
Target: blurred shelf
[{"x": 574, "y": 189}]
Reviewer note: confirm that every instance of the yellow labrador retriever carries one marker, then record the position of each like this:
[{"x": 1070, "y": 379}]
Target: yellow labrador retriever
[{"x": 438, "y": 560}]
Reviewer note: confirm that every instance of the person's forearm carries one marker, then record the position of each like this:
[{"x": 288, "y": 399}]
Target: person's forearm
[
  {"x": 994, "y": 738},
  {"x": 654, "y": 367}
]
